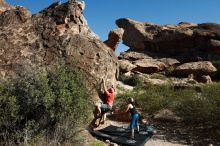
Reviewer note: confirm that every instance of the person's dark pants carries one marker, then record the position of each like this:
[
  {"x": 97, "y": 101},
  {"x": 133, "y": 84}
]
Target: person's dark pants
[{"x": 105, "y": 108}]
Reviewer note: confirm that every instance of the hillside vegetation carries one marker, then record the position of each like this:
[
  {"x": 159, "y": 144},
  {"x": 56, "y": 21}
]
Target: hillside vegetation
[
  {"x": 192, "y": 106},
  {"x": 48, "y": 109}
]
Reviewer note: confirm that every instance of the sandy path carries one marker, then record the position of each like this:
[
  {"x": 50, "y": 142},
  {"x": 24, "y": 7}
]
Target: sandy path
[{"x": 158, "y": 142}]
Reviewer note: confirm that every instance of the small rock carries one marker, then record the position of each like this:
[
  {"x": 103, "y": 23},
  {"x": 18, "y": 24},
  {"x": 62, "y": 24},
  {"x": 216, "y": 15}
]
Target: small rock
[
  {"x": 125, "y": 65},
  {"x": 206, "y": 79},
  {"x": 108, "y": 141}
]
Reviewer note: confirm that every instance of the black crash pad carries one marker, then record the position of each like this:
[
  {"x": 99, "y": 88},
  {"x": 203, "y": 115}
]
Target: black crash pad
[{"x": 121, "y": 135}]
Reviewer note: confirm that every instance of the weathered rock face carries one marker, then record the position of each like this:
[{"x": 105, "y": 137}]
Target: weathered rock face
[
  {"x": 142, "y": 62},
  {"x": 171, "y": 39},
  {"x": 56, "y": 35},
  {"x": 149, "y": 66},
  {"x": 132, "y": 56},
  {"x": 196, "y": 68},
  {"x": 114, "y": 38},
  {"x": 169, "y": 62},
  {"x": 4, "y": 6},
  {"x": 172, "y": 50},
  {"x": 126, "y": 66}
]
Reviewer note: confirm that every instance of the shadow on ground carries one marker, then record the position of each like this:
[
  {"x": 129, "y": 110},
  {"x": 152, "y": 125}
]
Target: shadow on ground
[{"x": 187, "y": 134}]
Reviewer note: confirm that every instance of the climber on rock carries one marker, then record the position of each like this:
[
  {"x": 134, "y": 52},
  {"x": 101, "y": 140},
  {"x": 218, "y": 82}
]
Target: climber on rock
[{"x": 106, "y": 106}]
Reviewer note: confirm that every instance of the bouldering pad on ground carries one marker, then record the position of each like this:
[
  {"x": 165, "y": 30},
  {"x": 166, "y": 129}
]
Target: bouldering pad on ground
[{"x": 121, "y": 135}]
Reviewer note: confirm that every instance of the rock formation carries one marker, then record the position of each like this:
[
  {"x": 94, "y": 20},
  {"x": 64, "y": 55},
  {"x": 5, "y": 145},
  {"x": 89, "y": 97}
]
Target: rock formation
[
  {"x": 171, "y": 39},
  {"x": 4, "y": 6},
  {"x": 183, "y": 49},
  {"x": 195, "y": 68},
  {"x": 56, "y": 35},
  {"x": 114, "y": 38}
]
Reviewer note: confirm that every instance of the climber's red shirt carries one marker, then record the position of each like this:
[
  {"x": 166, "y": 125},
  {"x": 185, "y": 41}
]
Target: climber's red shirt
[{"x": 110, "y": 96}]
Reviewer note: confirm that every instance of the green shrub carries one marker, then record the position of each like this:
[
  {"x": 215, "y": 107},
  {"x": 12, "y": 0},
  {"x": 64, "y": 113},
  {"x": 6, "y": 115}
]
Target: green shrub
[
  {"x": 158, "y": 76},
  {"x": 193, "y": 107},
  {"x": 149, "y": 98},
  {"x": 8, "y": 115},
  {"x": 153, "y": 98},
  {"x": 169, "y": 71},
  {"x": 54, "y": 105},
  {"x": 133, "y": 80},
  {"x": 186, "y": 103},
  {"x": 98, "y": 143},
  {"x": 211, "y": 94}
]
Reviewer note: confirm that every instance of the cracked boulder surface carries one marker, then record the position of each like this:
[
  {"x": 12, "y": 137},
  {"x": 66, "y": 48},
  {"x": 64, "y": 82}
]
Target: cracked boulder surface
[
  {"x": 172, "y": 50},
  {"x": 185, "y": 37},
  {"x": 56, "y": 35}
]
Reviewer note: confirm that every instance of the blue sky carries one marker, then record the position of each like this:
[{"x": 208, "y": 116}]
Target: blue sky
[{"x": 101, "y": 14}]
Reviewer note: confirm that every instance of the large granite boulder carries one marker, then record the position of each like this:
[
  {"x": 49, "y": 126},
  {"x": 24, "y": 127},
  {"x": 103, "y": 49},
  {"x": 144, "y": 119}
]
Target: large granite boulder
[
  {"x": 141, "y": 62},
  {"x": 175, "y": 50},
  {"x": 169, "y": 62},
  {"x": 56, "y": 35},
  {"x": 132, "y": 56},
  {"x": 149, "y": 66},
  {"x": 171, "y": 39},
  {"x": 197, "y": 68}
]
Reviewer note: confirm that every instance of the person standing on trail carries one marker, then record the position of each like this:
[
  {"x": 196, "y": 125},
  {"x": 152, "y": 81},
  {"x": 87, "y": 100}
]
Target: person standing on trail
[
  {"x": 106, "y": 106},
  {"x": 134, "y": 116}
]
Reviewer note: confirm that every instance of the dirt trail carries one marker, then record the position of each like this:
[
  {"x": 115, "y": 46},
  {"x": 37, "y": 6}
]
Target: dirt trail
[{"x": 157, "y": 142}]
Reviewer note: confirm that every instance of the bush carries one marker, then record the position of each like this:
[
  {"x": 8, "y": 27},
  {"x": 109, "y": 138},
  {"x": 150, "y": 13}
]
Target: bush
[
  {"x": 133, "y": 80},
  {"x": 186, "y": 103},
  {"x": 211, "y": 93},
  {"x": 51, "y": 105},
  {"x": 98, "y": 143},
  {"x": 149, "y": 98},
  {"x": 158, "y": 76},
  {"x": 193, "y": 107},
  {"x": 169, "y": 71}
]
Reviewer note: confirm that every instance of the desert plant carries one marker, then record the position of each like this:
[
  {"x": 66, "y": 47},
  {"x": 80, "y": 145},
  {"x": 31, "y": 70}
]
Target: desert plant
[
  {"x": 211, "y": 94},
  {"x": 98, "y": 143},
  {"x": 133, "y": 80},
  {"x": 169, "y": 71},
  {"x": 158, "y": 76},
  {"x": 54, "y": 105},
  {"x": 187, "y": 103},
  {"x": 193, "y": 107}
]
